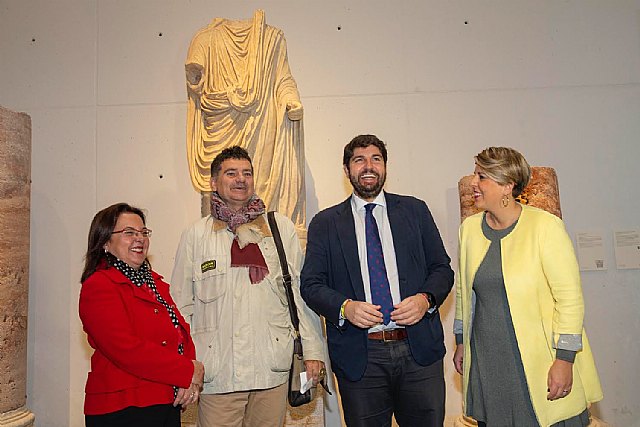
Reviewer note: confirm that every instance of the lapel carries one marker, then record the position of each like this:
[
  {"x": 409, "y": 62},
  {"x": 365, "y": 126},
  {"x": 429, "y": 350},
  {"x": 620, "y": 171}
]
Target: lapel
[
  {"x": 399, "y": 223},
  {"x": 346, "y": 231},
  {"x": 138, "y": 292}
]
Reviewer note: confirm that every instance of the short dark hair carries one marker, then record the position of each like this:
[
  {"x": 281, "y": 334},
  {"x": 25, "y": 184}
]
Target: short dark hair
[
  {"x": 100, "y": 232},
  {"x": 363, "y": 141},
  {"x": 235, "y": 152}
]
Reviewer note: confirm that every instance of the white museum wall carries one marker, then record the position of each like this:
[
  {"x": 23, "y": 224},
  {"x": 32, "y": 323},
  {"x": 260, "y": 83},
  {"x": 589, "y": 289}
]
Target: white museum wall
[{"x": 437, "y": 80}]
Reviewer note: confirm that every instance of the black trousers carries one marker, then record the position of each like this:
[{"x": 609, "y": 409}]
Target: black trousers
[
  {"x": 149, "y": 416},
  {"x": 394, "y": 384}
]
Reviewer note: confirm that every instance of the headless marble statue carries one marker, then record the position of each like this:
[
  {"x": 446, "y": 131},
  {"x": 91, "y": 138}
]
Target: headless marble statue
[{"x": 241, "y": 92}]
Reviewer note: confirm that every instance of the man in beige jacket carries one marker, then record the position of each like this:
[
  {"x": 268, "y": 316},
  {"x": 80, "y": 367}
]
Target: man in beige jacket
[{"x": 227, "y": 282}]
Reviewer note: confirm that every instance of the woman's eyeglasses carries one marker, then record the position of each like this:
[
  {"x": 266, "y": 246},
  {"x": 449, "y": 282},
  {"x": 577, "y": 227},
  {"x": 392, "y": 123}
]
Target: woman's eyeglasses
[{"x": 131, "y": 232}]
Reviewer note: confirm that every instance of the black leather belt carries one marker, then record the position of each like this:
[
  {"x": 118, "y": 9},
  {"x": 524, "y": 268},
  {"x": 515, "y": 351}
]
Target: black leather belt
[{"x": 389, "y": 335}]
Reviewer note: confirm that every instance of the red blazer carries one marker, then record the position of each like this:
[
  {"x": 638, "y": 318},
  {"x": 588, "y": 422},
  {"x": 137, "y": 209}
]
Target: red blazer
[{"x": 136, "y": 360}]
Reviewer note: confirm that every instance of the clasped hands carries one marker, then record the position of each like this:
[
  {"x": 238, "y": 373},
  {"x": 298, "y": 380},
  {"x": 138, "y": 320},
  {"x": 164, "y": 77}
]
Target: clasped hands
[
  {"x": 186, "y": 396},
  {"x": 407, "y": 312}
]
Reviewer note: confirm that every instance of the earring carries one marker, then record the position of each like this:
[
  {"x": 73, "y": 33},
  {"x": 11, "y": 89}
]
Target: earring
[{"x": 505, "y": 201}]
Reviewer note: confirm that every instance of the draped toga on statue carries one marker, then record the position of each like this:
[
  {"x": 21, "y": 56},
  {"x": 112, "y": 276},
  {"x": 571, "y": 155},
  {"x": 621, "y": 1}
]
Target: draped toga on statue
[{"x": 241, "y": 92}]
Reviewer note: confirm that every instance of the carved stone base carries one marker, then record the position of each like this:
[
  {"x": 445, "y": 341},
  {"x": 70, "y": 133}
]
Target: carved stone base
[{"x": 21, "y": 417}]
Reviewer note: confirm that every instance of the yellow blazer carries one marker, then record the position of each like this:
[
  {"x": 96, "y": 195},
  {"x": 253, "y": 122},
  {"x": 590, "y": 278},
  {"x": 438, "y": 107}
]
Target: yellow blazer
[{"x": 542, "y": 283}]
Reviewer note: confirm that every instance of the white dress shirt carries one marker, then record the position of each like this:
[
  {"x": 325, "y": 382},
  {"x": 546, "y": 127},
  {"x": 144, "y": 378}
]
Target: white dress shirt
[{"x": 384, "y": 228}]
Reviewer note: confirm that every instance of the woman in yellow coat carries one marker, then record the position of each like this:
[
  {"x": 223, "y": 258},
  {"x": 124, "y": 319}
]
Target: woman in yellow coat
[{"x": 521, "y": 347}]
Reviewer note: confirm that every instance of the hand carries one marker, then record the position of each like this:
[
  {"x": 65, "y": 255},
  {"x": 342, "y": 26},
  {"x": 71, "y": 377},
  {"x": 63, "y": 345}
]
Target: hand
[
  {"x": 410, "y": 310},
  {"x": 362, "y": 314},
  {"x": 458, "y": 357},
  {"x": 198, "y": 374},
  {"x": 294, "y": 110},
  {"x": 315, "y": 369},
  {"x": 186, "y": 396},
  {"x": 560, "y": 379}
]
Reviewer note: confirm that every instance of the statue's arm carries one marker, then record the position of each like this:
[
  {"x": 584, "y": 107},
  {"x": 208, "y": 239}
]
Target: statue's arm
[
  {"x": 194, "y": 73},
  {"x": 195, "y": 65},
  {"x": 287, "y": 90}
]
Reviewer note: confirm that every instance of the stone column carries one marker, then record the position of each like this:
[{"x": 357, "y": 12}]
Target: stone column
[{"x": 15, "y": 184}]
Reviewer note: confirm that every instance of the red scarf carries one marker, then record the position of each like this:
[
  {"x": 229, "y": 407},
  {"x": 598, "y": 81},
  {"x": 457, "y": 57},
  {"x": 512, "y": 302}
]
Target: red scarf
[{"x": 250, "y": 255}]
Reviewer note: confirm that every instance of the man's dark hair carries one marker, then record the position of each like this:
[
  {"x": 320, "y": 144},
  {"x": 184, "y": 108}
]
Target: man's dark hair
[
  {"x": 363, "y": 141},
  {"x": 235, "y": 152}
]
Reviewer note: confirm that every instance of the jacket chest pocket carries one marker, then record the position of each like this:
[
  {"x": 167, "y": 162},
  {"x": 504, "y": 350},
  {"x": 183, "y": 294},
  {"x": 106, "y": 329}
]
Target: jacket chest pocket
[{"x": 209, "y": 277}]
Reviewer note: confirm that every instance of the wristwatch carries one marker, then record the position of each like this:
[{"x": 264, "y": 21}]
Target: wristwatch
[{"x": 433, "y": 306}]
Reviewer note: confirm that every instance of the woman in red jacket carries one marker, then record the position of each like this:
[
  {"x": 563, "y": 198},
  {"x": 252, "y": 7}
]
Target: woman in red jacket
[{"x": 143, "y": 368}]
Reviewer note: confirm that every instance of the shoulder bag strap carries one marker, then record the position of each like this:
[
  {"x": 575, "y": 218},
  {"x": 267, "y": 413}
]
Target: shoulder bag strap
[{"x": 286, "y": 277}]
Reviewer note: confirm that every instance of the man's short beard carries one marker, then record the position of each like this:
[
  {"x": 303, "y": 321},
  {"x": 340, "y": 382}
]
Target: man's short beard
[{"x": 364, "y": 192}]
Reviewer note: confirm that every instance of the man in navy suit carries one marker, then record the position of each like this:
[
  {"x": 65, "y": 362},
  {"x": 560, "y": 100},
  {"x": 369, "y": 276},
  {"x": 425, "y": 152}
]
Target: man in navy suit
[{"x": 377, "y": 270}]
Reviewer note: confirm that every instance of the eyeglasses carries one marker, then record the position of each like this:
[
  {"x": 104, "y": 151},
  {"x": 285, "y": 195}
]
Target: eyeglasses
[{"x": 131, "y": 232}]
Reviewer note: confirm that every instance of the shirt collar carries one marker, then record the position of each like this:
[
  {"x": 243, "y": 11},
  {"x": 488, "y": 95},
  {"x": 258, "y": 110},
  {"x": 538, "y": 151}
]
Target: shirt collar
[
  {"x": 262, "y": 224},
  {"x": 359, "y": 203}
]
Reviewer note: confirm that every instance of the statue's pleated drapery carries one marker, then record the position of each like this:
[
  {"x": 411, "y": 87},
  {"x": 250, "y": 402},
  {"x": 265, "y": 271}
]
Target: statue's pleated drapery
[{"x": 241, "y": 92}]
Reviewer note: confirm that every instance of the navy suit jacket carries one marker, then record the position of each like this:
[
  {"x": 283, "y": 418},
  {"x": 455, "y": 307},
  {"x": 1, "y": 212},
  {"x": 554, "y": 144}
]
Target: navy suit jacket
[{"x": 331, "y": 274}]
